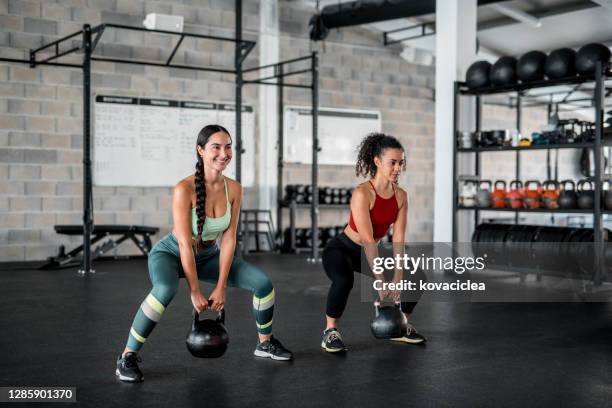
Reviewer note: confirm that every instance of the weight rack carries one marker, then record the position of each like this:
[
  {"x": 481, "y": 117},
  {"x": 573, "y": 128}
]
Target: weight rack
[{"x": 602, "y": 72}]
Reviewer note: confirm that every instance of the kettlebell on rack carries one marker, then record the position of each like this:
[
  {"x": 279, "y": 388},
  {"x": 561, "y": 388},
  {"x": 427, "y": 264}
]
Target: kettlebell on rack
[
  {"x": 550, "y": 195},
  {"x": 568, "y": 199},
  {"x": 532, "y": 195},
  {"x": 467, "y": 198},
  {"x": 514, "y": 198},
  {"x": 607, "y": 195},
  {"x": 208, "y": 338},
  {"x": 483, "y": 196},
  {"x": 586, "y": 198},
  {"x": 498, "y": 196}
]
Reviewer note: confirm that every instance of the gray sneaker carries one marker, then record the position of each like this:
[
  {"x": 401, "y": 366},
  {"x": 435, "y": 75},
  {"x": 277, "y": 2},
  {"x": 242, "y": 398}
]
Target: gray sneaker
[{"x": 332, "y": 341}]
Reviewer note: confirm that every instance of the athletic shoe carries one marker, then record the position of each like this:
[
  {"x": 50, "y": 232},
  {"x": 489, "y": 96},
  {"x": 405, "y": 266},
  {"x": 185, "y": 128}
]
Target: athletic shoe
[
  {"x": 412, "y": 336},
  {"x": 332, "y": 341},
  {"x": 273, "y": 349},
  {"x": 127, "y": 368}
]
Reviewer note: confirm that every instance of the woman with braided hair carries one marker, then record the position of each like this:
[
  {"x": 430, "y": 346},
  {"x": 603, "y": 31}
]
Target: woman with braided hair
[
  {"x": 375, "y": 205},
  {"x": 205, "y": 209}
]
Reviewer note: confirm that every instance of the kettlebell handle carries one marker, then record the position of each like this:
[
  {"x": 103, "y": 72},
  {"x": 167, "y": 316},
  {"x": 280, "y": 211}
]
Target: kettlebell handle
[
  {"x": 487, "y": 184},
  {"x": 516, "y": 184},
  {"x": 397, "y": 305},
  {"x": 564, "y": 183},
  {"x": 582, "y": 183},
  {"x": 196, "y": 317},
  {"x": 502, "y": 183}
]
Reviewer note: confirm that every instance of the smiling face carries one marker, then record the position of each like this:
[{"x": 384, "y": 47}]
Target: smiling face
[
  {"x": 217, "y": 152},
  {"x": 390, "y": 164}
]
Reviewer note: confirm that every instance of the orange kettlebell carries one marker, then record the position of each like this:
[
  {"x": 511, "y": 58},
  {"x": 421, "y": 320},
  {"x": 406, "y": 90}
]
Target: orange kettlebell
[
  {"x": 550, "y": 194},
  {"x": 498, "y": 196},
  {"x": 532, "y": 195},
  {"x": 514, "y": 198}
]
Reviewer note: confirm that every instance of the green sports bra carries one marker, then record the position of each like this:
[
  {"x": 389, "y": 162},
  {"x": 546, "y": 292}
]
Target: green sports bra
[{"x": 213, "y": 226}]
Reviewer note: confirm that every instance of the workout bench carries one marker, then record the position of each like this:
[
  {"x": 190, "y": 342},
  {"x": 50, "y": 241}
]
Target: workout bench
[{"x": 139, "y": 234}]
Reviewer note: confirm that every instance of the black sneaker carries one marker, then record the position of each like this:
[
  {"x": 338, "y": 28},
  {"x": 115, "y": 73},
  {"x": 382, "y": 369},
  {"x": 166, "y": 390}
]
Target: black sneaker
[
  {"x": 273, "y": 349},
  {"x": 412, "y": 336},
  {"x": 332, "y": 341},
  {"x": 127, "y": 368}
]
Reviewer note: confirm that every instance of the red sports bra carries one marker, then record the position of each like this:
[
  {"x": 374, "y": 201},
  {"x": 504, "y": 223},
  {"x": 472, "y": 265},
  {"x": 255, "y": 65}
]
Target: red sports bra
[{"x": 382, "y": 215}]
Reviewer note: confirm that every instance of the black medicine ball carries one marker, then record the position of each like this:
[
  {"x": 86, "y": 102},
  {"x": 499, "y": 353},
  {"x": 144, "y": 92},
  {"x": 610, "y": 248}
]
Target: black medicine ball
[
  {"x": 477, "y": 75},
  {"x": 530, "y": 66},
  {"x": 561, "y": 63},
  {"x": 589, "y": 55},
  {"x": 503, "y": 71}
]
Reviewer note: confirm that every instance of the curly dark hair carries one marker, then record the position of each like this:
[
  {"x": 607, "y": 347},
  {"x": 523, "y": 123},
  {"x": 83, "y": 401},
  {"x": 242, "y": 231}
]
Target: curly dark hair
[
  {"x": 200, "y": 188},
  {"x": 373, "y": 146}
]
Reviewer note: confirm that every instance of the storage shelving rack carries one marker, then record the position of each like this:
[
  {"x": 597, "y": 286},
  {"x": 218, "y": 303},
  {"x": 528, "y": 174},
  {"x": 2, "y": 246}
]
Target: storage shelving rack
[
  {"x": 602, "y": 72},
  {"x": 293, "y": 206}
]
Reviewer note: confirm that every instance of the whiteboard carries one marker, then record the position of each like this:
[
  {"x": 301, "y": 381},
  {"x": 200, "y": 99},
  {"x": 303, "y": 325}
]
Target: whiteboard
[
  {"x": 340, "y": 132},
  {"x": 151, "y": 142}
]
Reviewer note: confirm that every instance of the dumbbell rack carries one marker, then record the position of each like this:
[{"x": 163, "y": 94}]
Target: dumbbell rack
[
  {"x": 461, "y": 89},
  {"x": 293, "y": 207}
]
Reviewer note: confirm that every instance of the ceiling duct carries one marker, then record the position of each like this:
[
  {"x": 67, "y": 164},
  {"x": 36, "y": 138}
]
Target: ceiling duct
[{"x": 369, "y": 11}]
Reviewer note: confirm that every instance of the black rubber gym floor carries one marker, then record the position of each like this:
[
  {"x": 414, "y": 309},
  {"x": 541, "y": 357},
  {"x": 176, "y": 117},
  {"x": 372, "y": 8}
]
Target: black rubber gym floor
[{"x": 59, "y": 329}]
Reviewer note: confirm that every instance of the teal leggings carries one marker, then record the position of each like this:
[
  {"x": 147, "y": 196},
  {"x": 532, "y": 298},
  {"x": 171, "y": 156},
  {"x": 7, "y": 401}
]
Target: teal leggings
[{"x": 165, "y": 271}]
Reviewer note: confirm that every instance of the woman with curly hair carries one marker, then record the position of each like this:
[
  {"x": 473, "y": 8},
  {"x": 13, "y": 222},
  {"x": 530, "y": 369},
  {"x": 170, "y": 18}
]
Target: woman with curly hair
[
  {"x": 205, "y": 209},
  {"x": 375, "y": 205}
]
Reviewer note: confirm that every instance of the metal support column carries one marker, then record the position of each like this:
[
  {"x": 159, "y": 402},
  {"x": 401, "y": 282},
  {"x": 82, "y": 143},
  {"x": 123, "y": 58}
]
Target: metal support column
[
  {"x": 280, "y": 146},
  {"x": 517, "y": 170},
  {"x": 597, "y": 224},
  {"x": 87, "y": 187},
  {"x": 455, "y": 181},
  {"x": 314, "y": 206},
  {"x": 238, "y": 129},
  {"x": 238, "y": 68},
  {"x": 477, "y": 159}
]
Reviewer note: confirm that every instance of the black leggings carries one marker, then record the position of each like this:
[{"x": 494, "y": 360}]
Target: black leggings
[{"x": 342, "y": 257}]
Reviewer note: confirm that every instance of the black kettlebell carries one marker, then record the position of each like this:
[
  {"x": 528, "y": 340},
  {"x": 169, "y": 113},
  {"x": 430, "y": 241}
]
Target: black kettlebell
[
  {"x": 389, "y": 322},
  {"x": 607, "y": 196},
  {"x": 208, "y": 338},
  {"x": 567, "y": 197},
  {"x": 586, "y": 198}
]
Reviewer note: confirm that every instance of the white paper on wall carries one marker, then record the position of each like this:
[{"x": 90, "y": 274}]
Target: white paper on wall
[
  {"x": 151, "y": 142},
  {"x": 340, "y": 131}
]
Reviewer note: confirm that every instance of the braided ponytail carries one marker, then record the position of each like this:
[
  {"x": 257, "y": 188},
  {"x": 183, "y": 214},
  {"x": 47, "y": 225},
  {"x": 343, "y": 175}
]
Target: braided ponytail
[
  {"x": 370, "y": 147},
  {"x": 200, "y": 186},
  {"x": 200, "y": 189}
]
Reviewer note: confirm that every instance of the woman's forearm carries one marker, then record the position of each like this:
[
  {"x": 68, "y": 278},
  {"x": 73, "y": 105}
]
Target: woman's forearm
[
  {"x": 189, "y": 267},
  {"x": 371, "y": 252},
  {"x": 226, "y": 256},
  {"x": 398, "y": 250}
]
